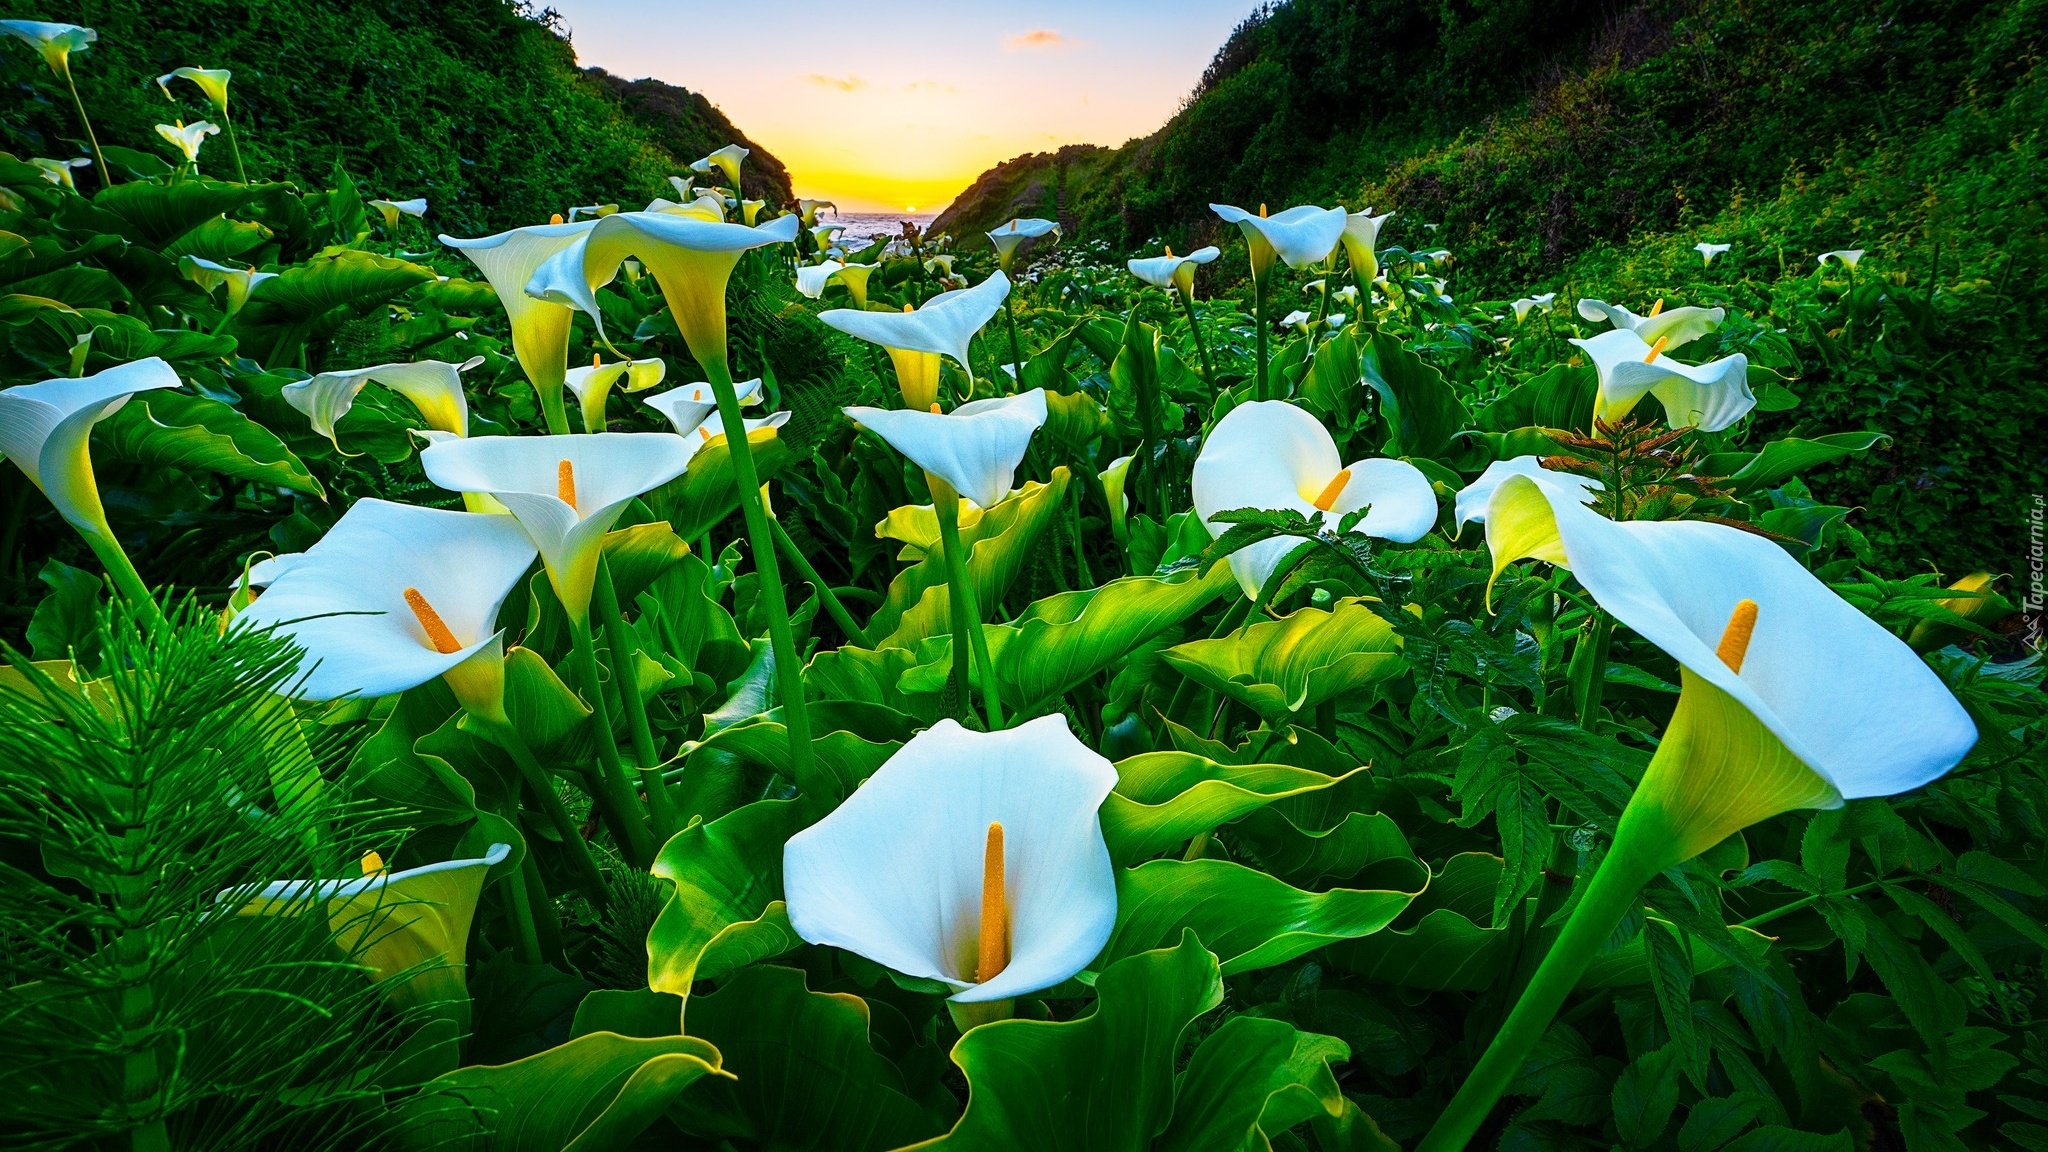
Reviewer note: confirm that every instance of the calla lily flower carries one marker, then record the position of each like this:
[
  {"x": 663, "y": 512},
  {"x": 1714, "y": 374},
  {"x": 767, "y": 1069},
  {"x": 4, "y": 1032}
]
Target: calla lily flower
[
  {"x": 855, "y": 277},
  {"x": 689, "y": 406},
  {"x": 1709, "y": 251},
  {"x": 391, "y": 210},
  {"x": 807, "y": 210},
  {"x": 811, "y": 280},
  {"x": 46, "y": 429},
  {"x": 750, "y": 211},
  {"x": 1676, "y": 327},
  {"x": 1708, "y": 396},
  {"x": 594, "y": 211},
  {"x": 1300, "y": 236},
  {"x": 712, "y": 428},
  {"x": 1298, "y": 319},
  {"x": 416, "y": 920},
  {"x": 1850, "y": 257},
  {"x": 1007, "y": 237},
  {"x": 1528, "y": 304},
  {"x": 1170, "y": 271},
  {"x": 594, "y": 383},
  {"x": 975, "y": 448},
  {"x": 566, "y": 491},
  {"x": 726, "y": 160},
  {"x": 1361, "y": 243},
  {"x": 211, "y": 81},
  {"x": 975, "y": 859},
  {"x": 1792, "y": 697},
  {"x": 55, "y": 41},
  {"x": 823, "y": 235},
  {"x": 1474, "y": 497},
  {"x": 915, "y": 339},
  {"x": 433, "y": 386},
  {"x": 395, "y": 595},
  {"x": 943, "y": 265},
  {"x": 690, "y": 259},
  {"x": 540, "y": 328},
  {"x": 187, "y": 138},
  {"x": 59, "y": 171},
  {"x": 1349, "y": 292},
  {"x": 209, "y": 275},
  {"x": 1113, "y": 479},
  {"x": 685, "y": 186},
  {"x": 1270, "y": 454}
]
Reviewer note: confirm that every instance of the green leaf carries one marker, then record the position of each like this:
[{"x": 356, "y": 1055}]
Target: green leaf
[
  {"x": 1306, "y": 858},
  {"x": 1773, "y": 1138},
  {"x": 1101, "y": 1083},
  {"x": 709, "y": 491},
  {"x": 724, "y": 875},
  {"x": 1559, "y": 398},
  {"x": 547, "y": 712},
  {"x": 596, "y": 1093},
  {"x": 316, "y": 296},
  {"x": 808, "y": 1075},
  {"x": 1251, "y": 1080},
  {"x": 1062, "y": 640},
  {"x": 1000, "y": 544},
  {"x": 1072, "y": 418},
  {"x": 639, "y": 555},
  {"x": 1163, "y": 798},
  {"x": 156, "y": 214},
  {"x": 1781, "y": 460},
  {"x": 65, "y": 625},
  {"x": 166, "y": 429},
  {"x": 1440, "y": 942},
  {"x": 220, "y": 240},
  {"x": 1423, "y": 411},
  {"x": 1278, "y": 668},
  {"x": 840, "y": 759},
  {"x": 1250, "y": 919},
  {"x": 1645, "y": 1094},
  {"x": 1334, "y": 383}
]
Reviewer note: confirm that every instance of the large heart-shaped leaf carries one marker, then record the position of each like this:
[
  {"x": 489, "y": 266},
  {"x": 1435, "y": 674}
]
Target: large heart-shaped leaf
[
  {"x": 808, "y": 1075},
  {"x": 1163, "y": 798},
  {"x": 999, "y": 544},
  {"x": 1251, "y": 1080},
  {"x": 1440, "y": 942},
  {"x": 167, "y": 429},
  {"x": 1280, "y": 667},
  {"x": 1780, "y": 460},
  {"x": 1559, "y": 398},
  {"x": 1062, "y": 640},
  {"x": 315, "y": 296},
  {"x": 1102, "y": 1083},
  {"x": 724, "y": 875},
  {"x": 709, "y": 491},
  {"x": 156, "y": 214},
  {"x": 596, "y": 1093},
  {"x": 1423, "y": 412},
  {"x": 1249, "y": 919}
]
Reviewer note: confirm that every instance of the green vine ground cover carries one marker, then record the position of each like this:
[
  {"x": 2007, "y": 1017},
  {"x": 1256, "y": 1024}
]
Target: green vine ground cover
[{"x": 1341, "y": 816}]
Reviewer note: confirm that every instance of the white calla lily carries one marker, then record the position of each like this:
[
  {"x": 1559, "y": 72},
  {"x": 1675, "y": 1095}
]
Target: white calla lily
[
  {"x": 393, "y": 596},
  {"x": 691, "y": 260},
  {"x": 824, "y": 236},
  {"x": 1849, "y": 257},
  {"x": 750, "y": 211},
  {"x": 433, "y": 386},
  {"x": 1676, "y": 327},
  {"x": 807, "y": 210},
  {"x": 908, "y": 873},
  {"x": 1008, "y": 237},
  {"x": 712, "y": 428},
  {"x": 187, "y": 138},
  {"x": 392, "y": 210},
  {"x": 593, "y": 384},
  {"x": 1272, "y": 455},
  {"x": 213, "y": 82},
  {"x": 1528, "y": 304},
  {"x": 1361, "y": 243},
  {"x": 685, "y": 186},
  {"x": 56, "y": 42},
  {"x": 915, "y": 339},
  {"x": 725, "y": 160},
  {"x": 1349, "y": 292},
  {"x": 1114, "y": 478},
  {"x": 1708, "y": 396},
  {"x": 975, "y": 448},
  {"x": 209, "y": 275},
  {"x": 941, "y": 264},
  {"x": 855, "y": 277},
  {"x": 1300, "y": 236},
  {"x": 1708, "y": 251},
  {"x": 691, "y": 405},
  {"x": 540, "y": 328},
  {"x": 1298, "y": 319},
  {"x": 46, "y": 430},
  {"x": 566, "y": 491},
  {"x": 1474, "y": 497},
  {"x": 59, "y": 171},
  {"x": 1170, "y": 271},
  {"x": 812, "y": 279}
]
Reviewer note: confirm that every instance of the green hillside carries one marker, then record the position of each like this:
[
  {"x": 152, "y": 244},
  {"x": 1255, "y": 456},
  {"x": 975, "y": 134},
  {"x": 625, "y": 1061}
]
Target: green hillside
[
  {"x": 477, "y": 105},
  {"x": 1585, "y": 150}
]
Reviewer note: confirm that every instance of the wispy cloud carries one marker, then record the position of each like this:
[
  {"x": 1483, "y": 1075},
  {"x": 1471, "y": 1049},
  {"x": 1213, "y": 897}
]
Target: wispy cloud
[
  {"x": 1037, "y": 38},
  {"x": 847, "y": 83},
  {"x": 939, "y": 86}
]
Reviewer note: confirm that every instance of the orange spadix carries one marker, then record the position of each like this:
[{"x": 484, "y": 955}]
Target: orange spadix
[
  {"x": 1736, "y": 636},
  {"x": 565, "y": 482},
  {"x": 444, "y": 641},
  {"x": 1333, "y": 489},
  {"x": 1656, "y": 348},
  {"x": 1657, "y": 307},
  {"x": 994, "y": 955}
]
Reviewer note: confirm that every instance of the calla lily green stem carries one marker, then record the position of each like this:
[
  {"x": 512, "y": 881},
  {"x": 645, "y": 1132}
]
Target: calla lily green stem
[
  {"x": 615, "y": 797},
  {"x": 1187, "y": 303},
  {"x": 788, "y": 670},
  {"x": 508, "y": 738},
  {"x": 106, "y": 173},
  {"x": 1641, "y": 850},
  {"x": 1259, "y": 323},
  {"x": 127, "y": 580},
  {"x": 1589, "y": 668},
  {"x": 967, "y": 610},
  {"x": 234, "y": 146},
  {"x": 605, "y": 602},
  {"x": 520, "y": 901},
  {"x": 1016, "y": 348},
  {"x": 834, "y": 607}
]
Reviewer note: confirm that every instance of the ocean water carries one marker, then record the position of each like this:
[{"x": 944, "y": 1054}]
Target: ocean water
[{"x": 865, "y": 226}]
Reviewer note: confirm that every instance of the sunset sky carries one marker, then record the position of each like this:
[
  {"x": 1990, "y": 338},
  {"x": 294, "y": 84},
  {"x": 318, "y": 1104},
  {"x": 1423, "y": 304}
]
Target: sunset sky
[{"x": 899, "y": 104}]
